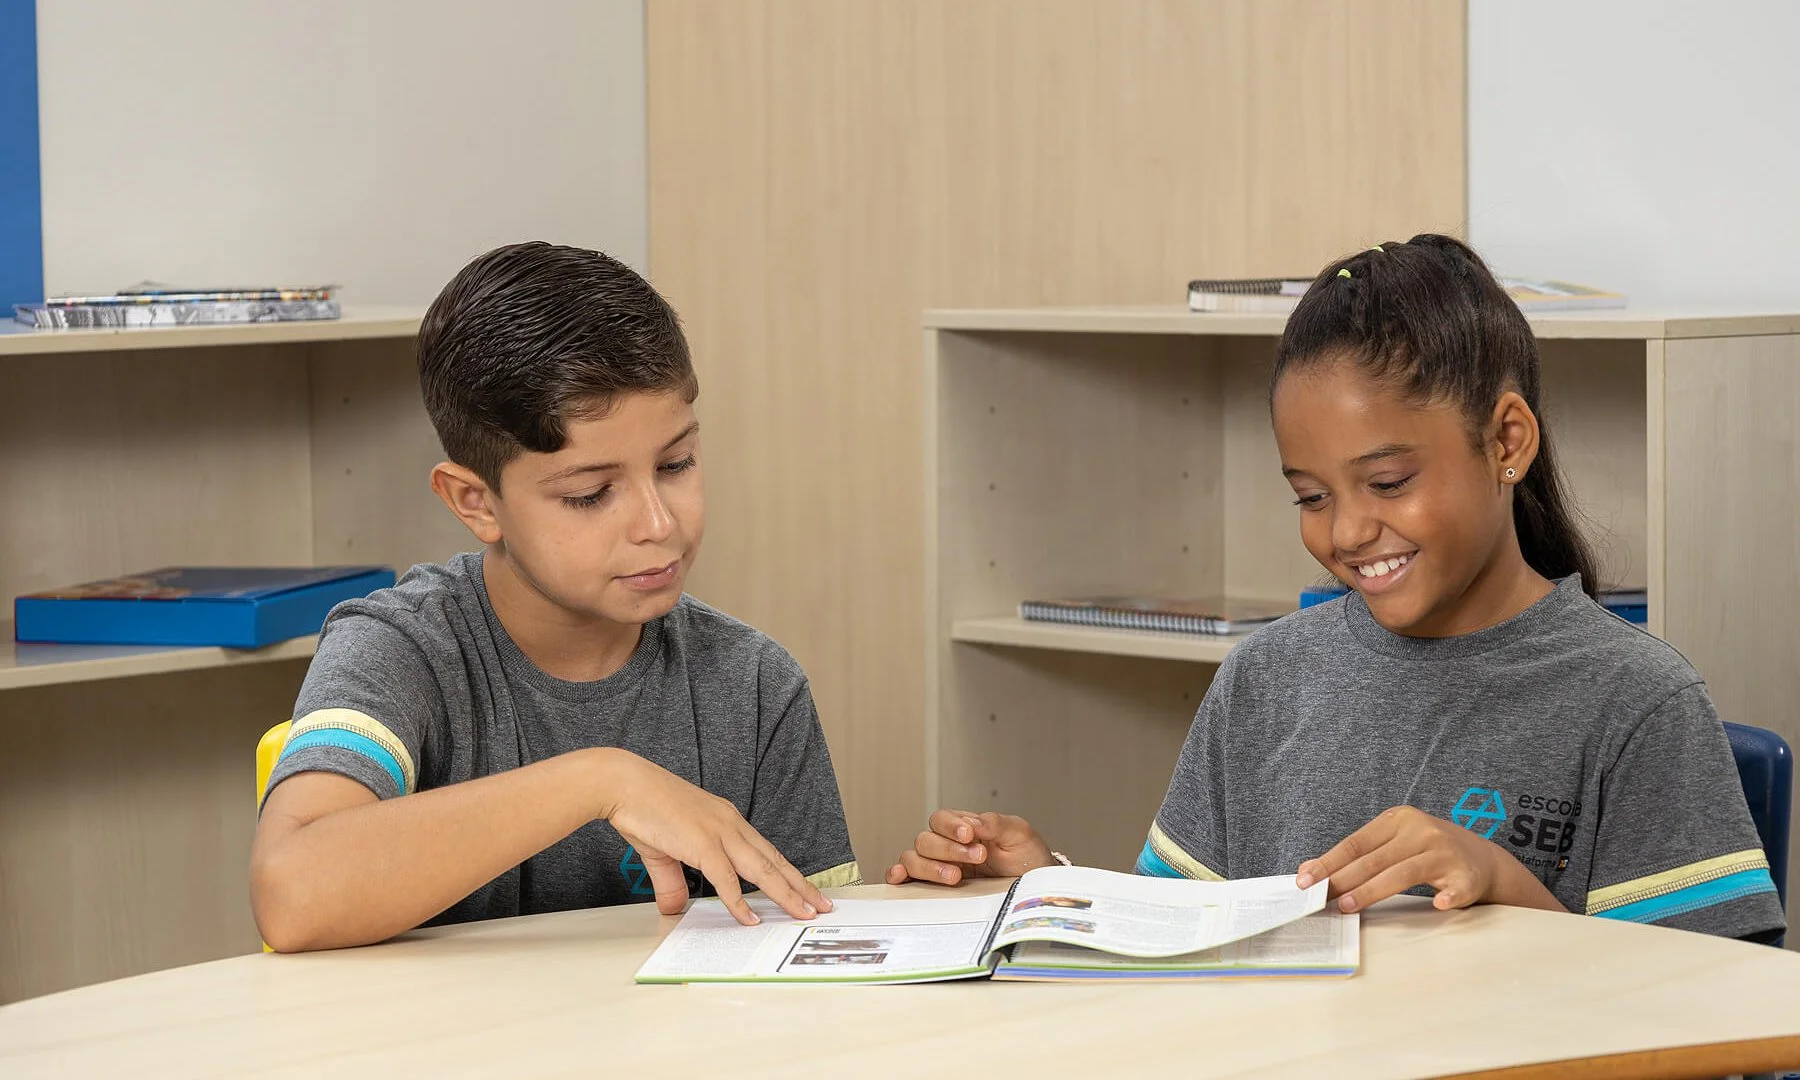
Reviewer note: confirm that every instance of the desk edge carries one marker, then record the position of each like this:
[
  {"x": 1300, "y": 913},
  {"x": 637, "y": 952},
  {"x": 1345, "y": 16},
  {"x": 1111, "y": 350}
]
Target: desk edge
[{"x": 1739, "y": 1057}]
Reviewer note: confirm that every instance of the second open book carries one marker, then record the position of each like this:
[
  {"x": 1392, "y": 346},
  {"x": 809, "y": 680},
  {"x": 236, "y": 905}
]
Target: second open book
[{"x": 1057, "y": 923}]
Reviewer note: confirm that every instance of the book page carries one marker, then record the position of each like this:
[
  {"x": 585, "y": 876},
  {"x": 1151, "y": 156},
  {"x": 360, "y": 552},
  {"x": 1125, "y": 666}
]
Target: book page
[
  {"x": 1323, "y": 943},
  {"x": 1324, "y": 938},
  {"x": 1144, "y": 916},
  {"x": 858, "y": 941}
]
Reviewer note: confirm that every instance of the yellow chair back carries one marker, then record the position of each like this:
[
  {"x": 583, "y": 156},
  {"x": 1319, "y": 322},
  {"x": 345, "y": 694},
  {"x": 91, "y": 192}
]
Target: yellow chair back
[{"x": 268, "y": 748}]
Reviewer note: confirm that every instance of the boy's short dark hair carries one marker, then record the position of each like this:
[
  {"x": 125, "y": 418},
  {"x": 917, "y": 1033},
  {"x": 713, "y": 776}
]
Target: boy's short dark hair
[{"x": 530, "y": 336}]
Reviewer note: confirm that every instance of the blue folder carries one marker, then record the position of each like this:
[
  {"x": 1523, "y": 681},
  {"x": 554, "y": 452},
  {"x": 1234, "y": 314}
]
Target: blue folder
[{"x": 237, "y": 607}]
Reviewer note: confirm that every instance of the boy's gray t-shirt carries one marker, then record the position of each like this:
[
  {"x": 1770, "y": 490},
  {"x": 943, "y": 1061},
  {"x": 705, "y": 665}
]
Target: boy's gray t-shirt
[
  {"x": 419, "y": 686},
  {"x": 1585, "y": 747}
]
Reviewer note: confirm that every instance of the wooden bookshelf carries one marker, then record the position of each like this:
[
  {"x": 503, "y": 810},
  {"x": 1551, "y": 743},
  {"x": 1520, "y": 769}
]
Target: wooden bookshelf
[
  {"x": 126, "y": 772},
  {"x": 24, "y": 665},
  {"x": 1127, "y": 451}
]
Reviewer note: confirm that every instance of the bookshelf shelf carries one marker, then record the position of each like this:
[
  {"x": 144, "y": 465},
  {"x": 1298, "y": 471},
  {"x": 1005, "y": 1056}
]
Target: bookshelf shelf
[
  {"x": 356, "y": 324},
  {"x": 1010, "y": 630},
  {"x": 25, "y": 665},
  {"x": 1092, "y": 451},
  {"x": 1629, "y": 324}
]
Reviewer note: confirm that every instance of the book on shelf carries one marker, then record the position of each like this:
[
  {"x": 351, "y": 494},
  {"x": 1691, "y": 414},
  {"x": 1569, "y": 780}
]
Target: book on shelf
[
  {"x": 1211, "y": 615},
  {"x": 235, "y": 607},
  {"x": 1282, "y": 295},
  {"x": 1277, "y": 295},
  {"x": 132, "y": 316},
  {"x": 153, "y": 292},
  {"x": 1056, "y": 924},
  {"x": 1533, "y": 295}
]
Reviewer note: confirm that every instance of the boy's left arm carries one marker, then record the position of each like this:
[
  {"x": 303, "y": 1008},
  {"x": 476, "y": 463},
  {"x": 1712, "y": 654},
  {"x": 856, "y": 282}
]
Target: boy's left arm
[
  {"x": 1676, "y": 845},
  {"x": 795, "y": 803}
]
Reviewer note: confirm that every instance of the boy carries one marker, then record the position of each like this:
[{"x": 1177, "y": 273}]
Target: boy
[{"x": 549, "y": 723}]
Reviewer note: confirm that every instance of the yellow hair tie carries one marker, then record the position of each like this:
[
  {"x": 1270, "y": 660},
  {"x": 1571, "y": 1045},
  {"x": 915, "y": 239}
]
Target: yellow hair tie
[
  {"x": 1345, "y": 272},
  {"x": 1377, "y": 247}
]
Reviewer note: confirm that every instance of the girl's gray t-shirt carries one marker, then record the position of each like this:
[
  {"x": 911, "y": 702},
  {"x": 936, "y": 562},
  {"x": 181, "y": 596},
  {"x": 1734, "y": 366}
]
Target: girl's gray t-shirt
[
  {"x": 419, "y": 686},
  {"x": 1582, "y": 745}
]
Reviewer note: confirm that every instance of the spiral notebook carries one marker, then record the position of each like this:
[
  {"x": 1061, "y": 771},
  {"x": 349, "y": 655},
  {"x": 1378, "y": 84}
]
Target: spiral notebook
[
  {"x": 1211, "y": 615},
  {"x": 1247, "y": 294}
]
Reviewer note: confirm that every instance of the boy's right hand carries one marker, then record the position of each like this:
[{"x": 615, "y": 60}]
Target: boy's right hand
[
  {"x": 672, "y": 823},
  {"x": 961, "y": 844}
]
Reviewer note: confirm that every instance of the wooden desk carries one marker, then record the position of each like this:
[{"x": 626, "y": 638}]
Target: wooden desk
[{"x": 1488, "y": 989}]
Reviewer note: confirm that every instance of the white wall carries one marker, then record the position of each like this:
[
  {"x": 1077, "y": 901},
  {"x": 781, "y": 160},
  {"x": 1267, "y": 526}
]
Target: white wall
[
  {"x": 1651, "y": 146},
  {"x": 376, "y": 144}
]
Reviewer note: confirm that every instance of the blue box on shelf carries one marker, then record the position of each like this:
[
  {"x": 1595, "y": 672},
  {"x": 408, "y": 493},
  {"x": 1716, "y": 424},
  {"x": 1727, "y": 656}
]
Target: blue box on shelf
[
  {"x": 1632, "y": 605},
  {"x": 1319, "y": 594},
  {"x": 235, "y": 607}
]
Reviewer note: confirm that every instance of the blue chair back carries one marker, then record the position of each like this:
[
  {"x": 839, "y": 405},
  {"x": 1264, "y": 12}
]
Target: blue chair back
[{"x": 1766, "y": 769}]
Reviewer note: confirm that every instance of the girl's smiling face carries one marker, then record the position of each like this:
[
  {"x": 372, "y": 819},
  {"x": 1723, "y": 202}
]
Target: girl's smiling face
[{"x": 1397, "y": 501}]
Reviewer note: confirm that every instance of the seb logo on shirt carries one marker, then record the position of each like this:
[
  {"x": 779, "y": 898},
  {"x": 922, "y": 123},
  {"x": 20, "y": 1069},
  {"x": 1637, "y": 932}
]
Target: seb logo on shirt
[
  {"x": 637, "y": 876},
  {"x": 1539, "y": 829}
]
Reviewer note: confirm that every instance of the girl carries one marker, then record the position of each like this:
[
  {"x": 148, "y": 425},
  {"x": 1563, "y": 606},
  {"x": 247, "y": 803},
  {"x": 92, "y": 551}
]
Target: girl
[{"x": 1467, "y": 722}]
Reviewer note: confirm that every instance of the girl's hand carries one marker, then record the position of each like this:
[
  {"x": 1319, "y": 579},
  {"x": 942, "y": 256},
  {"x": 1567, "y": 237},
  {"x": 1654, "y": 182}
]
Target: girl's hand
[
  {"x": 1405, "y": 847},
  {"x": 960, "y": 844}
]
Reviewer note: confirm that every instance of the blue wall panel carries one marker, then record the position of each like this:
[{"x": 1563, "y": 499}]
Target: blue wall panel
[{"x": 21, "y": 204}]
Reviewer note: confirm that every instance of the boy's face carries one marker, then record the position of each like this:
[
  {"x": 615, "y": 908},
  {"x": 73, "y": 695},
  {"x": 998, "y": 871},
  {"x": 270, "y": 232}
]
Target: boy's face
[
  {"x": 608, "y": 526},
  {"x": 1379, "y": 481}
]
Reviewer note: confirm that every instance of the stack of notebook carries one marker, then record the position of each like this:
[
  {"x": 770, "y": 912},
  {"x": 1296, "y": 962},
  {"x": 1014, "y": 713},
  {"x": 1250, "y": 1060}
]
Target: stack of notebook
[
  {"x": 150, "y": 304},
  {"x": 1277, "y": 295},
  {"x": 1206, "y": 616},
  {"x": 1215, "y": 615}
]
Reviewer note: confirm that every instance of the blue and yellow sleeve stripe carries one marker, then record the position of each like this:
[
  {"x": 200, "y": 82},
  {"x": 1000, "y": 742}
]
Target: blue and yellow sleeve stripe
[
  {"x": 1163, "y": 857},
  {"x": 837, "y": 877},
  {"x": 1686, "y": 888},
  {"x": 359, "y": 733}
]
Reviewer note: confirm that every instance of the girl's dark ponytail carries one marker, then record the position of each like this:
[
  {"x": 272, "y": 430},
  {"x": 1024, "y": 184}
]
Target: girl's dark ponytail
[
  {"x": 1428, "y": 316},
  {"x": 1548, "y": 534}
]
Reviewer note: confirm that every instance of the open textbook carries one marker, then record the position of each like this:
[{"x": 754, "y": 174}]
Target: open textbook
[{"x": 1057, "y": 923}]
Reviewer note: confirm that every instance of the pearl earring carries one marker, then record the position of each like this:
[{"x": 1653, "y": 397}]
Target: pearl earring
[{"x": 1510, "y": 473}]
